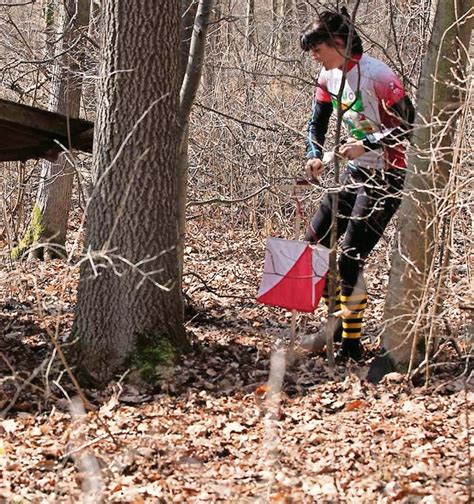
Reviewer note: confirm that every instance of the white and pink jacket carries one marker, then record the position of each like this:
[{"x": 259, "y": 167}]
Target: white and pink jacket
[{"x": 376, "y": 110}]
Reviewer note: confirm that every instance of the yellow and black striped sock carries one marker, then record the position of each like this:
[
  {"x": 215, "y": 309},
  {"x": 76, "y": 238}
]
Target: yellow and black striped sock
[{"x": 352, "y": 323}]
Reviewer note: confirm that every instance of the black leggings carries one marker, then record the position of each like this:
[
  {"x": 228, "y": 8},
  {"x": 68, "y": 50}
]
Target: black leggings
[{"x": 368, "y": 198}]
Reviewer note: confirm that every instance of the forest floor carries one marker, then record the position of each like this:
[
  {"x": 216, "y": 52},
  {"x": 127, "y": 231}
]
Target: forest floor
[{"x": 212, "y": 430}]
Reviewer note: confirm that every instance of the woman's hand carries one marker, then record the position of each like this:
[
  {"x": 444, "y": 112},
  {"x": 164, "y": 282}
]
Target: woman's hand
[
  {"x": 352, "y": 149},
  {"x": 314, "y": 168}
]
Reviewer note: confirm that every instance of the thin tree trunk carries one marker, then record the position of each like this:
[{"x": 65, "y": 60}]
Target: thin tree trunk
[
  {"x": 286, "y": 21},
  {"x": 49, "y": 10},
  {"x": 129, "y": 308},
  {"x": 275, "y": 35},
  {"x": 227, "y": 11},
  {"x": 430, "y": 159},
  {"x": 188, "y": 92},
  {"x": 188, "y": 9},
  {"x": 53, "y": 201},
  {"x": 250, "y": 25},
  {"x": 215, "y": 49}
]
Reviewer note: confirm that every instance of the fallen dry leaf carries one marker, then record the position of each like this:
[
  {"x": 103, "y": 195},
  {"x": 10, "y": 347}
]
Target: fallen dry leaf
[
  {"x": 357, "y": 404},
  {"x": 234, "y": 427}
]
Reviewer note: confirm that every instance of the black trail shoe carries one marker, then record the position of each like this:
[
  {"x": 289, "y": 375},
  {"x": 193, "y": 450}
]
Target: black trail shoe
[{"x": 351, "y": 349}]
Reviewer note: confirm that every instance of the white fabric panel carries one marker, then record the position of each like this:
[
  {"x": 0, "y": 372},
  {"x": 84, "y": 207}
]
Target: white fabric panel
[{"x": 280, "y": 257}]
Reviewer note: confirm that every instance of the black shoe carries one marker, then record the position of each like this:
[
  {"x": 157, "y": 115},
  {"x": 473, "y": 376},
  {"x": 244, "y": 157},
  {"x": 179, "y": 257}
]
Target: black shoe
[{"x": 351, "y": 349}]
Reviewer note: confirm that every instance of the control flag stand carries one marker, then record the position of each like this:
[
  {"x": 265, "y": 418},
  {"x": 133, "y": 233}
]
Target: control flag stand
[
  {"x": 295, "y": 272},
  {"x": 297, "y": 190}
]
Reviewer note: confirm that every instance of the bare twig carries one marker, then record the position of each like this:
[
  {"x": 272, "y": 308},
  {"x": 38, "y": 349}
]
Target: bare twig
[{"x": 223, "y": 201}]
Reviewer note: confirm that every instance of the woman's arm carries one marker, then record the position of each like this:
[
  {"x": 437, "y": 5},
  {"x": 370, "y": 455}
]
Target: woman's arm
[{"x": 317, "y": 128}]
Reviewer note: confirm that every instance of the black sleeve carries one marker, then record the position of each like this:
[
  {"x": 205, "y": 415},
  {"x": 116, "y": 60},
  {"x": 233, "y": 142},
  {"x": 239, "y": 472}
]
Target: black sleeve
[
  {"x": 317, "y": 129},
  {"x": 403, "y": 116}
]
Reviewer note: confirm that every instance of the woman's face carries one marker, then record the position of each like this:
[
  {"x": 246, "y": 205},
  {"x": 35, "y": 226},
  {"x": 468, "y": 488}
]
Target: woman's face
[{"x": 330, "y": 57}]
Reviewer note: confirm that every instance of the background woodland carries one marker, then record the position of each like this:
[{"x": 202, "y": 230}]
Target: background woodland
[{"x": 231, "y": 421}]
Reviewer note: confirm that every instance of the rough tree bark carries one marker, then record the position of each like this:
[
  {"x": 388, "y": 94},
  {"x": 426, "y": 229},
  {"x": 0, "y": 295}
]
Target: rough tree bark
[
  {"x": 430, "y": 158},
  {"x": 51, "y": 211},
  {"x": 123, "y": 316}
]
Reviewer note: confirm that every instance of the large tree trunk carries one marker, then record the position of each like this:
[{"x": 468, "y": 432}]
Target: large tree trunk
[
  {"x": 53, "y": 201},
  {"x": 124, "y": 316},
  {"x": 439, "y": 104}
]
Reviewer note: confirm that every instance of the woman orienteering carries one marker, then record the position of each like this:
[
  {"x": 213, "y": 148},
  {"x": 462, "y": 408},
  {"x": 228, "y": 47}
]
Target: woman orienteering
[{"x": 378, "y": 117}]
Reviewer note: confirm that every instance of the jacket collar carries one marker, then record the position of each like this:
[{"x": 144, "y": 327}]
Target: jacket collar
[{"x": 355, "y": 58}]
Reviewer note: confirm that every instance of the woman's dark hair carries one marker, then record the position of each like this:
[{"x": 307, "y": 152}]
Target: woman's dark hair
[{"x": 330, "y": 24}]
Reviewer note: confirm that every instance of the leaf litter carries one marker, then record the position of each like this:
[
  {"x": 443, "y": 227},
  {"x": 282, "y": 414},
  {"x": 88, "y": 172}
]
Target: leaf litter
[{"x": 217, "y": 429}]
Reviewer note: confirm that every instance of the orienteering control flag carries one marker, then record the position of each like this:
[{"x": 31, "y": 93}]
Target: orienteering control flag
[{"x": 294, "y": 274}]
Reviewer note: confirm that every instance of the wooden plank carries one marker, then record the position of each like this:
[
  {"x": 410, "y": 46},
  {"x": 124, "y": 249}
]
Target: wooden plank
[
  {"x": 41, "y": 120},
  {"x": 13, "y": 135},
  {"x": 28, "y": 132}
]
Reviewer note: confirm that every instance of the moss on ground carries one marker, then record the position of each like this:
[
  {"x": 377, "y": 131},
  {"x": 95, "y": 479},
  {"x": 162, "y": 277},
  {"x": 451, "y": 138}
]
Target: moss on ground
[{"x": 154, "y": 355}]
